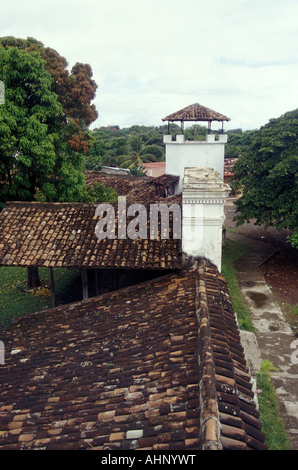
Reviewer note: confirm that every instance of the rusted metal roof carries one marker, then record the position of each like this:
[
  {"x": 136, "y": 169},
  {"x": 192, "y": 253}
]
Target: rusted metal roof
[{"x": 196, "y": 112}]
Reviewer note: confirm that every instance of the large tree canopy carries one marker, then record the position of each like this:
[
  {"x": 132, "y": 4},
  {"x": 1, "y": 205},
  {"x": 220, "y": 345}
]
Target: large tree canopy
[
  {"x": 43, "y": 123},
  {"x": 267, "y": 176},
  {"x": 75, "y": 89},
  {"x": 29, "y": 126}
]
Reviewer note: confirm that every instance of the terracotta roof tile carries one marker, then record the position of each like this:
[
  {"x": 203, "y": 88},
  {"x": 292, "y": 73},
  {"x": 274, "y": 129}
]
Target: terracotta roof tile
[
  {"x": 153, "y": 366},
  {"x": 196, "y": 112},
  {"x": 135, "y": 188},
  {"x": 223, "y": 359},
  {"x": 112, "y": 372},
  {"x": 63, "y": 235},
  {"x": 229, "y": 164}
]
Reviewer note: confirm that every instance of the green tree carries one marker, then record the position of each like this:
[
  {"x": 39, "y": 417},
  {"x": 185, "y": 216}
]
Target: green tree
[
  {"x": 75, "y": 89},
  {"x": 99, "y": 193},
  {"x": 112, "y": 142},
  {"x": 156, "y": 150},
  {"x": 29, "y": 125},
  {"x": 267, "y": 176},
  {"x": 195, "y": 132},
  {"x": 238, "y": 142},
  {"x": 44, "y": 123}
]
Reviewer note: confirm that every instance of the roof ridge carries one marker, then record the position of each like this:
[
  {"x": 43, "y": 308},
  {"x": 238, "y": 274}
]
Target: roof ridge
[
  {"x": 223, "y": 370},
  {"x": 209, "y": 412},
  {"x": 196, "y": 112}
]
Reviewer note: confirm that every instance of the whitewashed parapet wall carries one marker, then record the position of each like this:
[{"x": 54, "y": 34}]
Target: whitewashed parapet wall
[
  {"x": 203, "y": 197},
  {"x": 207, "y": 153}
]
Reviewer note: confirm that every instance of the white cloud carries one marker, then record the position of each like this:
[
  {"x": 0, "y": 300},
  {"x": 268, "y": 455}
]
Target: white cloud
[{"x": 152, "y": 58}]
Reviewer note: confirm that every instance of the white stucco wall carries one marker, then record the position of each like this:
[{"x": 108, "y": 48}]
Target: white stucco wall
[
  {"x": 181, "y": 154},
  {"x": 203, "y": 197}
]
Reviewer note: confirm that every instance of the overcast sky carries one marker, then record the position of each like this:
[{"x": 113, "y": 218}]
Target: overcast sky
[{"x": 152, "y": 58}]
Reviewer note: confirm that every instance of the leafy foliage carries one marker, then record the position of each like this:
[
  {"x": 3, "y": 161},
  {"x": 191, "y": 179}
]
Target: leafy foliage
[
  {"x": 267, "y": 176},
  {"x": 29, "y": 122},
  {"x": 127, "y": 147},
  {"x": 99, "y": 193},
  {"x": 238, "y": 142},
  {"x": 16, "y": 299},
  {"x": 138, "y": 153},
  {"x": 43, "y": 123},
  {"x": 195, "y": 132}
]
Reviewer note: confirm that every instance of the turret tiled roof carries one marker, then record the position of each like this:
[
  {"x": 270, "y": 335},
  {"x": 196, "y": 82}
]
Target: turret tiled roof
[{"x": 196, "y": 112}]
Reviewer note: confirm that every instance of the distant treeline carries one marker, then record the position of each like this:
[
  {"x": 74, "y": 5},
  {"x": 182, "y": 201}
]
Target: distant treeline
[{"x": 128, "y": 147}]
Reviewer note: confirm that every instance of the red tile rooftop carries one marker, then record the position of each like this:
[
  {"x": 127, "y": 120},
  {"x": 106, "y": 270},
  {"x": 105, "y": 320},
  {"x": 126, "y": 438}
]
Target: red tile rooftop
[
  {"x": 63, "y": 235},
  {"x": 135, "y": 188},
  {"x": 196, "y": 112},
  {"x": 154, "y": 366}
]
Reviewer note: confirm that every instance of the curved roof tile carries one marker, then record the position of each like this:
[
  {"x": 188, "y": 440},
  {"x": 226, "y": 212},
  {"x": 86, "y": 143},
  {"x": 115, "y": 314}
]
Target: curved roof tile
[
  {"x": 196, "y": 112},
  {"x": 155, "y": 366}
]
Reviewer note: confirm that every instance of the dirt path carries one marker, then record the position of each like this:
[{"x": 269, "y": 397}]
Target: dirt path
[
  {"x": 281, "y": 270},
  {"x": 264, "y": 291}
]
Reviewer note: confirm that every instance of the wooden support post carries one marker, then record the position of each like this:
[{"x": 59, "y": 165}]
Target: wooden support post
[
  {"x": 85, "y": 283},
  {"x": 53, "y": 291}
]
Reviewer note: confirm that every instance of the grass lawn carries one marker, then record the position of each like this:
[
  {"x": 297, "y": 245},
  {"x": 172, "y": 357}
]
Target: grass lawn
[
  {"x": 17, "y": 300},
  {"x": 273, "y": 426},
  {"x": 231, "y": 252}
]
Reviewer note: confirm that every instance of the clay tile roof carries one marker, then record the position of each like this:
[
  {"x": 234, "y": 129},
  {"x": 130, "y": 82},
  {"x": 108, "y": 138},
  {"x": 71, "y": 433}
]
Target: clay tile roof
[
  {"x": 154, "y": 366},
  {"x": 123, "y": 184},
  {"x": 63, "y": 235},
  {"x": 224, "y": 369},
  {"x": 196, "y": 112},
  {"x": 229, "y": 164}
]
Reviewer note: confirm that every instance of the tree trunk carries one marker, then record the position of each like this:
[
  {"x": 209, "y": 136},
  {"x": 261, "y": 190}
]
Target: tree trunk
[{"x": 33, "y": 277}]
